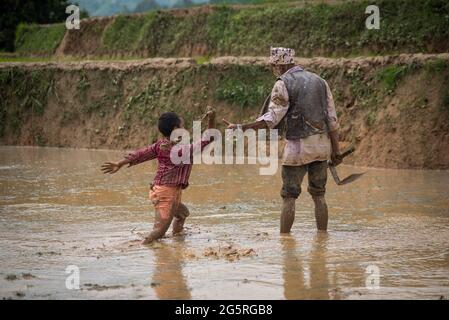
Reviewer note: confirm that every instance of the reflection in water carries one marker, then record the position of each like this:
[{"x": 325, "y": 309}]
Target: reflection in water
[
  {"x": 293, "y": 270},
  {"x": 297, "y": 268},
  {"x": 319, "y": 274},
  {"x": 168, "y": 278}
]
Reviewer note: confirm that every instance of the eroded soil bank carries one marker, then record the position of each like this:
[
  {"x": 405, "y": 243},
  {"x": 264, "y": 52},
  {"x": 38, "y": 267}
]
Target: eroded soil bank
[{"x": 395, "y": 109}]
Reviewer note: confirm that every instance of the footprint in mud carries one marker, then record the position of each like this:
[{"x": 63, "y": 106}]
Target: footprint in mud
[
  {"x": 25, "y": 276},
  {"x": 28, "y": 276},
  {"x": 11, "y": 277},
  {"x": 97, "y": 287},
  {"x": 51, "y": 253},
  {"x": 262, "y": 235}
]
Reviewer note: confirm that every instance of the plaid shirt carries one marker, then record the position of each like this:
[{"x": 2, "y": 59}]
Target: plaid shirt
[{"x": 168, "y": 173}]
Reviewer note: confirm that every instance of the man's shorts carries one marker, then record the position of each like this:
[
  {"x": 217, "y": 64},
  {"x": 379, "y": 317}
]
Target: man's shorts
[
  {"x": 292, "y": 177},
  {"x": 165, "y": 200}
]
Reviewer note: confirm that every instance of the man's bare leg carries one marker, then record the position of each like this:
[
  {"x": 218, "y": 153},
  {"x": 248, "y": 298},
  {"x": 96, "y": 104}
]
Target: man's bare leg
[
  {"x": 287, "y": 214},
  {"x": 321, "y": 214},
  {"x": 181, "y": 213}
]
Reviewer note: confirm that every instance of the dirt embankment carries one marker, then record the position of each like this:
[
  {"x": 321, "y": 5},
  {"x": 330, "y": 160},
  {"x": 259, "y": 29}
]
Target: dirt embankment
[{"x": 395, "y": 109}]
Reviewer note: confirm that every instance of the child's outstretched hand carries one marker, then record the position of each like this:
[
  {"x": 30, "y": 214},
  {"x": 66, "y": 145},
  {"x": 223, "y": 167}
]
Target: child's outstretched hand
[
  {"x": 110, "y": 167},
  {"x": 210, "y": 112}
]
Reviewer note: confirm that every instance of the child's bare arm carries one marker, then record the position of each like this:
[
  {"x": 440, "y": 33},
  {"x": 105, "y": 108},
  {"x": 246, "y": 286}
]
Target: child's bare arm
[
  {"x": 134, "y": 158},
  {"x": 210, "y": 113},
  {"x": 113, "y": 167}
]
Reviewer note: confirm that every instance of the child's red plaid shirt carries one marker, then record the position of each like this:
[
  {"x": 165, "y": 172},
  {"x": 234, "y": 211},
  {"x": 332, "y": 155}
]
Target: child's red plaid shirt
[{"x": 168, "y": 173}]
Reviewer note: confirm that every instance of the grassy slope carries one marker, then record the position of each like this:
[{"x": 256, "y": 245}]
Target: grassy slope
[
  {"x": 337, "y": 30},
  {"x": 37, "y": 39}
]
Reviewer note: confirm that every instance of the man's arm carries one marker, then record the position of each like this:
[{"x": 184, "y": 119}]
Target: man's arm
[
  {"x": 277, "y": 109},
  {"x": 261, "y": 124},
  {"x": 332, "y": 122}
]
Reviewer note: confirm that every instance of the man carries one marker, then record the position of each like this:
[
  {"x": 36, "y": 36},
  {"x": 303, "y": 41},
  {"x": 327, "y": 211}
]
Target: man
[{"x": 304, "y": 101}]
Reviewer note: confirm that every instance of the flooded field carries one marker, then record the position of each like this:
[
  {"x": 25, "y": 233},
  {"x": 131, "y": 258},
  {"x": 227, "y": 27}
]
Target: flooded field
[{"x": 58, "y": 210}]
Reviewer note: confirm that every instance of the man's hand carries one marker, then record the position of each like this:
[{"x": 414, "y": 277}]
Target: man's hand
[
  {"x": 336, "y": 158},
  {"x": 230, "y": 125},
  {"x": 110, "y": 167}
]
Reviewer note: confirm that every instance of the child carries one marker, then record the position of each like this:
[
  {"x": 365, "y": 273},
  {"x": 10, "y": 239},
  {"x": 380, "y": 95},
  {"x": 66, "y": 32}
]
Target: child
[{"x": 170, "y": 179}]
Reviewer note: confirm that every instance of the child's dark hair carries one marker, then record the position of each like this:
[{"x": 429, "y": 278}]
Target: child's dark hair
[{"x": 168, "y": 122}]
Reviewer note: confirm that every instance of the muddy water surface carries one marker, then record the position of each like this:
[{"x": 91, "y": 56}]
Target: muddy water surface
[{"x": 57, "y": 209}]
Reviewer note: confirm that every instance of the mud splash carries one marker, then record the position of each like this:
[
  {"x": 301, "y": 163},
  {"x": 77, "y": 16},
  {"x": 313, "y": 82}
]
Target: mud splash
[
  {"x": 57, "y": 210},
  {"x": 228, "y": 252}
]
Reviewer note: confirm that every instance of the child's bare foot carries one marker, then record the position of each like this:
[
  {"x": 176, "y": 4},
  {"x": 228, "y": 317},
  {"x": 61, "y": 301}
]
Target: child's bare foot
[
  {"x": 147, "y": 241},
  {"x": 177, "y": 233}
]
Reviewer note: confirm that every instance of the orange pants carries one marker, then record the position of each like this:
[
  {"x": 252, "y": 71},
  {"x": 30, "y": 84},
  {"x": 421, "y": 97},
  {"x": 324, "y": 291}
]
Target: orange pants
[
  {"x": 165, "y": 200},
  {"x": 168, "y": 206}
]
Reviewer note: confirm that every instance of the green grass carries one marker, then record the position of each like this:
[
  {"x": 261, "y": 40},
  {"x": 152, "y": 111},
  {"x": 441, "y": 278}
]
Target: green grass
[
  {"x": 23, "y": 94},
  {"x": 24, "y": 59},
  {"x": 124, "y": 33},
  {"x": 437, "y": 65},
  {"x": 39, "y": 39},
  {"x": 445, "y": 102},
  {"x": 202, "y": 59},
  {"x": 330, "y": 30},
  {"x": 246, "y": 86},
  {"x": 371, "y": 118},
  {"x": 390, "y": 76}
]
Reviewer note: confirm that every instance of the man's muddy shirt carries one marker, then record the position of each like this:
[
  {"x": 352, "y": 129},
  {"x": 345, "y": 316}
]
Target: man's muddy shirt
[
  {"x": 168, "y": 173},
  {"x": 301, "y": 151}
]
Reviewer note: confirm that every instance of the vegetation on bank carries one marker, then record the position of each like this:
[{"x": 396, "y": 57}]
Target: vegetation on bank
[
  {"x": 406, "y": 25},
  {"x": 15, "y": 12},
  {"x": 331, "y": 30},
  {"x": 138, "y": 97},
  {"x": 39, "y": 39},
  {"x": 24, "y": 94}
]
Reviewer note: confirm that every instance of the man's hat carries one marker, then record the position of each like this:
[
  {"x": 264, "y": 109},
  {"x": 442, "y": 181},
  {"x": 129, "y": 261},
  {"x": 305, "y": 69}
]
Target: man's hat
[{"x": 280, "y": 55}]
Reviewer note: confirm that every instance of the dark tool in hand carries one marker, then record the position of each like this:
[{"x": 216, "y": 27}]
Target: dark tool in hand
[{"x": 333, "y": 169}]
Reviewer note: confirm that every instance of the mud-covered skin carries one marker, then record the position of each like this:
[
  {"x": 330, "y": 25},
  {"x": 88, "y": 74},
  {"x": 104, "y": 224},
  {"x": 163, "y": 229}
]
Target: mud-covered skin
[
  {"x": 321, "y": 214},
  {"x": 292, "y": 177},
  {"x": 179, "y": 219},
  {"x": 287, "y": 214},
  {"x": 161, "y": 226}
]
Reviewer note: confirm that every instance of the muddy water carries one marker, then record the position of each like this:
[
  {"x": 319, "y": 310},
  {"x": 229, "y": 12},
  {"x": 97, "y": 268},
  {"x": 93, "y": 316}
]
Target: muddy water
[{"x": 57, "y": 209}]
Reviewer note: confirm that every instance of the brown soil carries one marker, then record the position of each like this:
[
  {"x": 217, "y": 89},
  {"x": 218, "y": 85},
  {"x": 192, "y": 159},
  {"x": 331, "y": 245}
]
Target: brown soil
[
  {"x": 86, "y": 43},
  {"x": 405, "y": 134},
  {"x": 228, "y": 252}
]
